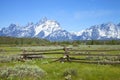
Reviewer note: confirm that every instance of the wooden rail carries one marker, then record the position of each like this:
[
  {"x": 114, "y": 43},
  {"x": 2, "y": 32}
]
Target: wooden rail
[
  {"x": 79, "y": 54},
  {"x": 41, "y": 53},
  {"x": 42, "y": 50},
  {"x": 95, "y": 50}
]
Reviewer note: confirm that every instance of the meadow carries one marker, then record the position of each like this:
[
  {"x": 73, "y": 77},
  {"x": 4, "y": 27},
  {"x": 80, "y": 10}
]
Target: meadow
[{"x": 44, "y": 69}]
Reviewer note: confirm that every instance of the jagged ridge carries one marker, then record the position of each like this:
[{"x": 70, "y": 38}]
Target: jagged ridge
[{"x": 51, "y": 30}]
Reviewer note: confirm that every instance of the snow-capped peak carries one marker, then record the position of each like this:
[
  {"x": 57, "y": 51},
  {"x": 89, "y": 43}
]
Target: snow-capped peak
[
  {"x": 102, "y": 31},
  {"x": 47, "y": 27}
]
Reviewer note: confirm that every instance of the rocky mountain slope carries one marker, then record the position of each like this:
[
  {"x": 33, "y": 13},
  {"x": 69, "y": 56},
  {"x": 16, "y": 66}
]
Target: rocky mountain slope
[{"x": 51, "y": 30}]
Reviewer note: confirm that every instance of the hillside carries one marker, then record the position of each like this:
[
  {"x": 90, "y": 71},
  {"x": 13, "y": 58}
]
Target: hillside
[{"x": 22, "y": 41}]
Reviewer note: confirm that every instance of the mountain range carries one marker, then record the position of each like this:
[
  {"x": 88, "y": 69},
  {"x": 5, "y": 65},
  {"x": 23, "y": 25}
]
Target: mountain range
[{"x": 51, "y": 30}]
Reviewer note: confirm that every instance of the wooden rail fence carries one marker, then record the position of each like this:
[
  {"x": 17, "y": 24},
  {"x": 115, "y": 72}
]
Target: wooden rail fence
[{"x": 69, "y": 55}]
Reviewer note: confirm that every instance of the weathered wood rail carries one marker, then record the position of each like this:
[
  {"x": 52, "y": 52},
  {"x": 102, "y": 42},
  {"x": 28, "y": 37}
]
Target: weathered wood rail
[
  {"x": 79, "y": 54},
  {"x": 96, "y": 50}
]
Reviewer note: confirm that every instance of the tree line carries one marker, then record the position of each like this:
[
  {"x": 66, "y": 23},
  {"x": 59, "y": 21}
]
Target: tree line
[
  {"x": 43, "y": 42},
  {"x": 88, "y": 42}
]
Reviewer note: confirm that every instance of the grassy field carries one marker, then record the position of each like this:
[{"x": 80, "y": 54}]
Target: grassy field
[{"x": 44, "y": 69}]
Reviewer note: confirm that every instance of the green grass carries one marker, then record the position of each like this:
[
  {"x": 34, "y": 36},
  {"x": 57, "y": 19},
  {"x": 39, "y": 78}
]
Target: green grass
[
  {"x": 84, "y": 71},
  {"x": 57, "y": 70}
]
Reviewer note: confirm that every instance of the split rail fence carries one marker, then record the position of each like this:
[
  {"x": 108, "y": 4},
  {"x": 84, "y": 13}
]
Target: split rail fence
[{"x": 72, "y": 55}]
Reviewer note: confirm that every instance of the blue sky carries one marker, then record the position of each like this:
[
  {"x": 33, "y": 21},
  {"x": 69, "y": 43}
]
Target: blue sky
[{"x": 73, "y": 15}]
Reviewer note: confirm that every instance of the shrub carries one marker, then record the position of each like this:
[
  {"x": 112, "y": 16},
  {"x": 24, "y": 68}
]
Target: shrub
[
  {"x": 4, "y": 59},
  {"x": 69, "y": 73},
  {"x": 72, "y": 72},
  {"x": 22, "y": 72}
]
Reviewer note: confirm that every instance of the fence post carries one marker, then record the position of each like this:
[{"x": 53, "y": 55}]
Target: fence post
[
  {"x": 24, "y": 54},
  {"x": 66, "y": 55}
]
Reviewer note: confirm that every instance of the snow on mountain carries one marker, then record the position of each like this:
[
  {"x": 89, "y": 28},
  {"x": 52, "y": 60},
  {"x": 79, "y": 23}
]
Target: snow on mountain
[
  {"x": 28, "y": 30},
  {"x": 60, "y": 35},
  {"x": 46, "y": 28},
  {"x": 77, "y": 33},
  {"x": 10, "y": 31},
  {"x": 51, "y": 30},
  {"x": 41, "y": 29},
  {"x": 18, "y": 31},
  {"x": 103, "y": 31}
]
